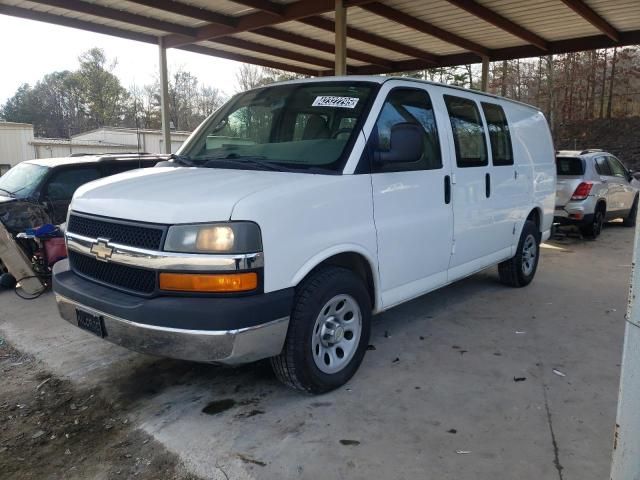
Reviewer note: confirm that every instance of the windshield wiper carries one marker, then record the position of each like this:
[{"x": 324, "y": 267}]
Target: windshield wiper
[
  {"x": 11, "y": 194},
  {"x": 182, "y": 160},
  {"x": 237, "y": 160}
]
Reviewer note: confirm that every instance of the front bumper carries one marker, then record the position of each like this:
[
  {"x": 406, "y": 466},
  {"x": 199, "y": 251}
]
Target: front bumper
[{"x": 228, "y": 330}]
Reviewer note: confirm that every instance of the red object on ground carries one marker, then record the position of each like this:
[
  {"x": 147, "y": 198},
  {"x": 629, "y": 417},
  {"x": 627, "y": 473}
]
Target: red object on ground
[{"x": 55, "y": 249}]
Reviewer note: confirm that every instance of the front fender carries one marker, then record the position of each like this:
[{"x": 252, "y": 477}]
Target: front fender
[{"x": 317, "y": 259}]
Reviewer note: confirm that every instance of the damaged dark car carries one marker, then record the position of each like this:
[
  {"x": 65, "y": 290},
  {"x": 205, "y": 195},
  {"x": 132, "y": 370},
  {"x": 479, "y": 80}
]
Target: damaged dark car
[{"x": 37, "y": 192}]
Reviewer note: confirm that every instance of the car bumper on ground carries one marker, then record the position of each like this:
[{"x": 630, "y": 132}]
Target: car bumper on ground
[
  {"x": 572, "y": 216},
  {"x": 575, "y": 212},
  {"x": 228, "y": 330}
]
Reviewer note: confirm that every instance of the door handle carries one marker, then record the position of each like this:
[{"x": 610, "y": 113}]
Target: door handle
[
  {"x": 487, "y": 184},
  {"x": 447, "y": 189}
]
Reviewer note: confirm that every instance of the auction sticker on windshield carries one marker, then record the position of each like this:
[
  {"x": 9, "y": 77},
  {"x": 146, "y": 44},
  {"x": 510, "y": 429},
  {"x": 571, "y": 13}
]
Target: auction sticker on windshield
[{"x": 336, "y": 102}]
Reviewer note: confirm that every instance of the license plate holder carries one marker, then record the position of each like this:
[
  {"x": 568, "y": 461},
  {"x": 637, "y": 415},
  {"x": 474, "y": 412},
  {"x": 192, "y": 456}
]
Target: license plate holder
[{"x": 91, "y": 323}]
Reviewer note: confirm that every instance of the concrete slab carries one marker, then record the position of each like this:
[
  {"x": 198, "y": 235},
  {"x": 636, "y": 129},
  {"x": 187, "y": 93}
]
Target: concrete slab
[{"x": 443, "y": 363}]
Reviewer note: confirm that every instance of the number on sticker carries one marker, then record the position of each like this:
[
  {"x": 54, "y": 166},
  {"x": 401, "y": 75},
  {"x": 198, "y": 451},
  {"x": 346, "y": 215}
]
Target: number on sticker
[{"x": 336, "y": 102}]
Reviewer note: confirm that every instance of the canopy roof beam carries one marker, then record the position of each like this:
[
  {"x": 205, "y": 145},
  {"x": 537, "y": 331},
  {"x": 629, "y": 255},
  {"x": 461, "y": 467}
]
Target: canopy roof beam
[
  {"x": 120, "y": 16},
  {"x": 252, "y": 21},
  {"x": 372, "y": 39},
  {"x": 296, "y": 39},
  {"x": 274, "y": 51},
  {"x": 590, "y": 15},
  {"x": 501, "y": 22},
  {"x": 187, "y": 10},
  {"x": 424, "y": 27}
]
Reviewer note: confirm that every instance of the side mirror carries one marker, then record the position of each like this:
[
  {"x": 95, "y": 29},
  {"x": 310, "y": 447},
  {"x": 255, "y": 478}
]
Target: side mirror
[{"x": 405, "y": 145}]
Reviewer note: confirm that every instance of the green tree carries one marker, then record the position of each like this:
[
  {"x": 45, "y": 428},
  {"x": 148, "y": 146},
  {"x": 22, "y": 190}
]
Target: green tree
[
  {"x": 103, "y": 97},
  {"x": 19, "y": 108}
]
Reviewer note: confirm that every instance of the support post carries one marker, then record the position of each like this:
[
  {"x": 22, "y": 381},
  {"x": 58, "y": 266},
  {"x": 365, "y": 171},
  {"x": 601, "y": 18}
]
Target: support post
[
  {"x": 484, "y": 84},
  {"x": 341, "y": 39},
  {"x": 164, "y": 95},
  {"x": 626, "y": 442}
]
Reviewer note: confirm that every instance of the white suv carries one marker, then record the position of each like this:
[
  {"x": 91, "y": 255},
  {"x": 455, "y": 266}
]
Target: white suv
[
  {"x": 297, "y": 211},
  {"x": 594, "y": 187}
]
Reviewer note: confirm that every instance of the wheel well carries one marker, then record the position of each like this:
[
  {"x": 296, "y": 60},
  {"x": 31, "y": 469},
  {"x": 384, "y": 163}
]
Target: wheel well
[
  {"x": 601, "y": 205},
  {"x": 534, "y": 216},
  {"x": 357, "y": 264}
]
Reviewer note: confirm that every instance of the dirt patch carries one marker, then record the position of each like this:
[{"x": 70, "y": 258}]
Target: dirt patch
[{"x": 51, "y": 429}]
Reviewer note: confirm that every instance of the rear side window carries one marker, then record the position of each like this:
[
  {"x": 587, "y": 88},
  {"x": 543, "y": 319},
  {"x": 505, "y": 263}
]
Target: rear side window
[
  {"x": 569, "y": 166},
  {"x": 64, "y": 183},
  {"x": 413, "y": 106},
  {"x": 602, "y": 166},
  {"x": 499, "y": 136},
  {"x": 468, "y": 132}
]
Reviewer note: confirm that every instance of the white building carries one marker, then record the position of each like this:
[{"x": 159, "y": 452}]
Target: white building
[
  {"x": 148, "y": 140},
  {"x": 17, "y": 143}
]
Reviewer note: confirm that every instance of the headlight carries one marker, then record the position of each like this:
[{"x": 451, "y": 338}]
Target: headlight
[{"x": 231, "y": 237}]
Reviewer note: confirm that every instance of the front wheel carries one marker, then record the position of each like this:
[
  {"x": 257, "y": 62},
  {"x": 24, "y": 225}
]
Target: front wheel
[
  {"x": 328, "y": 332},
  {"x": 520, "y": 270}
]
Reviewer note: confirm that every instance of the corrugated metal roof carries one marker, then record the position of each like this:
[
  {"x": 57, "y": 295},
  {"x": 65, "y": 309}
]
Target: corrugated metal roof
[{"x": 383, "y": 36}]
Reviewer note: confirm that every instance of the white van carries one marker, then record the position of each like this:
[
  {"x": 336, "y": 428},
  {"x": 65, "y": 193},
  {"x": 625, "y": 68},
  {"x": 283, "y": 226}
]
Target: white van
[{"x": 300, "y": 209}]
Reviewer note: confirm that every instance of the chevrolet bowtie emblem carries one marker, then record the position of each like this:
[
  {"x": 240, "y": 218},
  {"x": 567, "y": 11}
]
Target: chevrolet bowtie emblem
[{"x": 102, "y": 250}]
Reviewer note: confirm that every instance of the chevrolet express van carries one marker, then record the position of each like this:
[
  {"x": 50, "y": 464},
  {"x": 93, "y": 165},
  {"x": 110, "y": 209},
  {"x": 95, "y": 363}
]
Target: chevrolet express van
[{"x": 300, "y": 209}]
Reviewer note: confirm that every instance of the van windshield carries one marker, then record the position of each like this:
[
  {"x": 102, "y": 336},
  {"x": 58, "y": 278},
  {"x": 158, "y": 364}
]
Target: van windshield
[
  {"x": 569, "y": 166},
  {"x": 305, "y": 127},
  {"x": 22, "y": 180}
]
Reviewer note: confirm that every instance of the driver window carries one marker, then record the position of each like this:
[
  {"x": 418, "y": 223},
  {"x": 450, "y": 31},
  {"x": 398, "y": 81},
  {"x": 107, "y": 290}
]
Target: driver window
[
  {"x": 413, "y": 106},
  {"x": 617, "y": 168}
]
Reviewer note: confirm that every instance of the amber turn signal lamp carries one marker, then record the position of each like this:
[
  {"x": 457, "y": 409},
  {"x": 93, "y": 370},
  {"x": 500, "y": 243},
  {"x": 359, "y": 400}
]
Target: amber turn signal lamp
[{"x": 209, "y": 283}]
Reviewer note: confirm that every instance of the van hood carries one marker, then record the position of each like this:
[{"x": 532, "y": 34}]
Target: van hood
[{"x": 171, "y": 195}]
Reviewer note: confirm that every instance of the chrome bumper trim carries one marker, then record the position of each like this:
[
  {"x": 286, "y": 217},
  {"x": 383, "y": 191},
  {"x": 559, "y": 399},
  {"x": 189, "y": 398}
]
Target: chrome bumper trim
[
  {"x": 231, "y": 347},
  {"x": 158, "y": 260}
]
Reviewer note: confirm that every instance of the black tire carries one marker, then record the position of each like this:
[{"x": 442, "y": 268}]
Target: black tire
[
  {"x": 594, "y": 228},
  {"x": 513, "y": 272},
  {"x": 295, "y": 366},
  {"x": 630, "y": 221}
]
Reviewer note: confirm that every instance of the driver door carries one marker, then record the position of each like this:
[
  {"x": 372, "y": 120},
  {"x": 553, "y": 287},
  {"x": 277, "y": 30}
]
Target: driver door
[{"x": 412, "y": 209}]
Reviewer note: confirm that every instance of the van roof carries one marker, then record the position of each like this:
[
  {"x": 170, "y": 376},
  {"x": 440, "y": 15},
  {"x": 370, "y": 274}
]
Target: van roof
[
  {"x": 380, "y": 80},
  {"x": 81, "y": 159}
]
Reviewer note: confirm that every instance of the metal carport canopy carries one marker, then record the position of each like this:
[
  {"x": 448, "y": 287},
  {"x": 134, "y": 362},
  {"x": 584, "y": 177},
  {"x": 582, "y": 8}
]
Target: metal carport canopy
[{"x": 382, "y": 36}]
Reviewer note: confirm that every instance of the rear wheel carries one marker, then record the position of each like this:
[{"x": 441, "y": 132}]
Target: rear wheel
[
  {"x": 594, "y": 228},
  {"x": 520, "y": 270},
  {"x": 630, "y": 221},
  {"x": 328, "y": 332}
]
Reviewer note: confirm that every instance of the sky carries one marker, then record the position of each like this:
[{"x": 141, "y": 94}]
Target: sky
[{"x": 40, "y": 48}]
